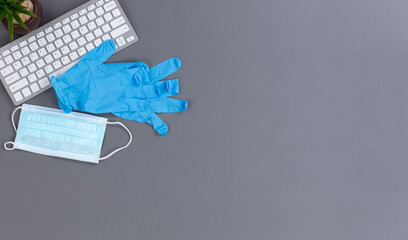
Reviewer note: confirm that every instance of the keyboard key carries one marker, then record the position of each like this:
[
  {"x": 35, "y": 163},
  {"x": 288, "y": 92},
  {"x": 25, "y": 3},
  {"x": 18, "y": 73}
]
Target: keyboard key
[
  {"x": 48, "y": 69},
  {"x": 33, "y": 56},
  {"x": 58, "y": 43},
  {"x": 106, "y": 28},
  {"x": 91, "y": 25},
  {"x": 25, "y": 50},
  {"x": 40, "y": 73},
  {"x": 73, "y": 56},
  {"x": 81, "y": 51},
  {"x": 119, "y": 31},
  {"x": 75, "y": 34},
  {"x": 62, "y": 70},
  {"x": 42, "y": 42},
  {"x": 17, "y": 65},
  {"x": 65, "y": 21},
  {"x": 89, "y": 37},
  {"x": 81, "y": 41},
  {"x": 83, "y": 20},
  {"x": 25, "y": 60},
  {"x": 74, "y": 16},
  {"x": 34, "y": 87},
  {"x": 31, "y": 39},
  {"x": 65, "y": 60},
  {"x": 66, "y": 28},
  {"x": 64, "y": 50},
  {"x": 120, "y": 41},
  {"x": 23, "y": 43},
  {"x": 40, "y": 34},
  {"x": 32, "y": 77},
  {"x": 18, "y": 97},
  {"x": 40, "y": 63},
  {"x": 23, "y": 72},
  {"x": 8, "y": 59},
  {"x": 26, "y": 92},
  {"x": 57, "y": 64},
  {"x": 48, "y": 58},
  {"x": 83, "y": 30},
  {"x": 42, "y": 52},
  {"x": 99, "y": 3},
  {"x": 17, "y": 55},
  {"x": 99, "y": 11},
  {"x": 91, "y": 7},
  {"x": 117, "y": 22},
  {"x": 5, "y": 52},
  {"x": 32, "y": 67},
  {"x": 106, "y": 37},
  {"x": 73, "y": 46},
  {"x": 67, "y": 39},
  {"x": 57, "y": 25},
  {"x": 131, "y": 38},
  {"x": 116, "y": 12},
  {"x": 48, "y": 30},
  {"x": 14, "y": 48},
  {"x": 6, "y": 71},
  {"x": 109, "y": 6},
  {"x": 59, "y": 33},
  {"x": 18, "y": 85},
  {"x": 75, "y": 24},
  {"x": 91, "y": 16},
  {"x": 108, "y": 17},
  {"x": 99, "y": 21},
  {"x": 33, "y": 46},
  {"x": 82, "y": 12},
  {"x": 12, "y": 78},
  {"x": 98, "y": 32},
  {"x": 97, "y": 42},
  {"x": 56, "y": 54},
  {"x": 89, "y": 47},
  {"x": 50, "y": 37},
  {"x": 2, "y": 64},
  {"x": 44, "y": 82},
  {"x": 50, "y": 47}
]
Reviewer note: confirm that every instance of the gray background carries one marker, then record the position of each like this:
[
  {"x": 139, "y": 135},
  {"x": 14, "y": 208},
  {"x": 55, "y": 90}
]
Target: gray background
[{"x": 297, "y": 128}]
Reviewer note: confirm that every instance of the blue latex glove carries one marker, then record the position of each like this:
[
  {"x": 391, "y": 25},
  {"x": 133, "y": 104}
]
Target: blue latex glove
[{"x": 129, "y": 90}]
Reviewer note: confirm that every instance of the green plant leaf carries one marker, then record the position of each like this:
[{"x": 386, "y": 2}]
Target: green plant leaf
[
  {"x": 10, "y": 25},
  {"x": 7, "y": 10},
  {"x": 19, "y": 20},
  {"x": 21, "y": 9},
  {"x": 3, "y": 14}
]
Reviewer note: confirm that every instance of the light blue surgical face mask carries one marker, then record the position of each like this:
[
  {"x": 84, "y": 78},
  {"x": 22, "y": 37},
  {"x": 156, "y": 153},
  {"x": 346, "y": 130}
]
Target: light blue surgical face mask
[{"x": 52, "y": 132}]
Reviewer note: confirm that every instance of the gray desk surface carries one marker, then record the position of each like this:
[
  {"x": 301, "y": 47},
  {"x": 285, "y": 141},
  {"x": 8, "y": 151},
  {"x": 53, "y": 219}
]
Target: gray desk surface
[{"x": 297, "y": 128}]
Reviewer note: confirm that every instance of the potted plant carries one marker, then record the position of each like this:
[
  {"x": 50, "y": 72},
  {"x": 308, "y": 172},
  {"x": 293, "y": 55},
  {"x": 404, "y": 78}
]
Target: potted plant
[{"x": 20, "y": 16}]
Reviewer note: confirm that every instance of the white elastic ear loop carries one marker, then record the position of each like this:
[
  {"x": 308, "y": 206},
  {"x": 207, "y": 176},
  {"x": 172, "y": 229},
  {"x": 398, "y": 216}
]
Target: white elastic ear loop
[
  {"x": 121, "y": 148},
  {"x": 15, "y": 129}
]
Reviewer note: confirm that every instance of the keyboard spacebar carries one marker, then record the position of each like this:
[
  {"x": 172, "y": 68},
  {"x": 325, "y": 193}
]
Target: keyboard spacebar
[{"x": 61, "y": 72}]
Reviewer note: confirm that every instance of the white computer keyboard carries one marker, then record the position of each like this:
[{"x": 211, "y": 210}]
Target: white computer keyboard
[{"x": 27, "y": 64}]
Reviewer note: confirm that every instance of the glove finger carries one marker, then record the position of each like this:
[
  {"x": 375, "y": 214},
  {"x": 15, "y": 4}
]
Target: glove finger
[
  {"x": 167, "y": 105},
  {"x": 160, "y": 89},
  {"x": 100, "y": 54},
  {"x": 130, "y": 65},
  {"x": 164, "y": 69},
  {"x": 158, "y": 105},
  {"x": 54, "y": 82},
  {"x": 148, "y": 116},
  {"x": 158, "y": 124}
]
